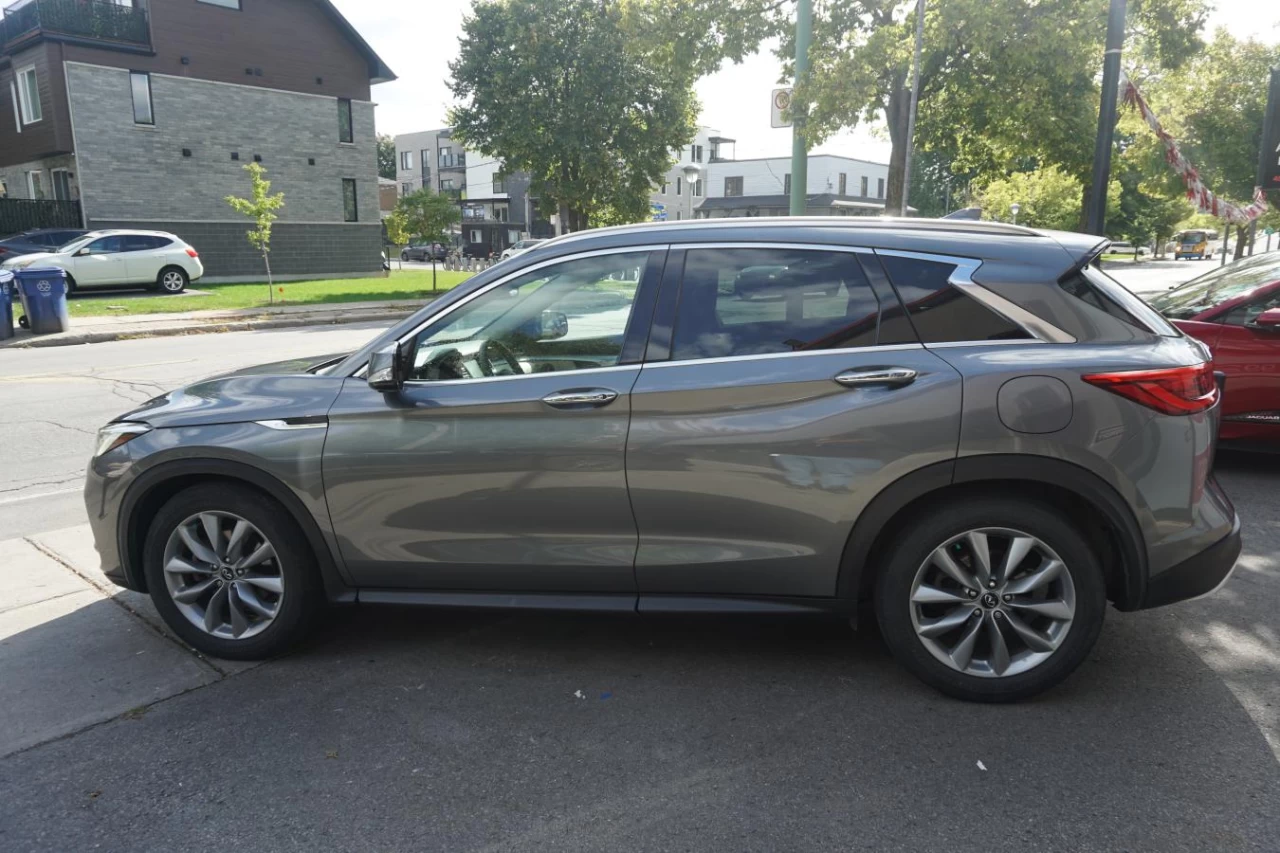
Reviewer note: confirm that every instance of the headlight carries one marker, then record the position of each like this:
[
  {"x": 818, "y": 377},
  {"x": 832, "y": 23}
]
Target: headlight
[{"x": 112, "y": 436}]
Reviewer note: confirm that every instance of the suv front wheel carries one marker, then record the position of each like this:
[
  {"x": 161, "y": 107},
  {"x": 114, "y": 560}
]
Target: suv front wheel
[
  {"x": 231, "y": 572},
  {"x": 991, "y": 600}
]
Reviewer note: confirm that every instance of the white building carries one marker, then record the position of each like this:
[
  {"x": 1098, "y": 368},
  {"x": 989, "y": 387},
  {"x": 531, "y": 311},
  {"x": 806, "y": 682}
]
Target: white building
[
  {"x": 686, "y": 180},
  {"x": 836, "y": 186}
]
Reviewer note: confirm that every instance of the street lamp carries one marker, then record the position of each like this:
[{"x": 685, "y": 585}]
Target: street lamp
[{"x": 1014, "y": 208}]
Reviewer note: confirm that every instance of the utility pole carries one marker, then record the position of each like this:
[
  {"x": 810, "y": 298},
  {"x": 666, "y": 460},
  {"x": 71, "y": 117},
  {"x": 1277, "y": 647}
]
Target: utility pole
[
  {"x": 799, "y": 149},
  {"x": 1097, "y": 218},
  {"x": 911, "y": 115},
  {"x": 1266, "y": 155}
]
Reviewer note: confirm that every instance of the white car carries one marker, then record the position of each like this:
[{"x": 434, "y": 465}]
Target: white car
[
  {"x": 520, "y": 248},
  {"x": 155, "y": 259}
]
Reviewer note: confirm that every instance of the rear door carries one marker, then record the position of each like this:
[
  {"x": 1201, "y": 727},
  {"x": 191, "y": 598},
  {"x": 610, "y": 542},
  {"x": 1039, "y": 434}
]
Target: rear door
[
  {"x": 783, "y": 389},
  {"x": 144, "y": 255}
]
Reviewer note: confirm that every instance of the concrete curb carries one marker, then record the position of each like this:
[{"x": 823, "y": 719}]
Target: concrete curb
[{"x": 207, "y": 327}]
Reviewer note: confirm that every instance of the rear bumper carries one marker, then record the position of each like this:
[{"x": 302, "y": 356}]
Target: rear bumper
[{"x": 1196, "y": 576}]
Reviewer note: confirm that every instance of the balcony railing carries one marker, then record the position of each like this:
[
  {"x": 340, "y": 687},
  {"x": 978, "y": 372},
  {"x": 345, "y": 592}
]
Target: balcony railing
[
  {"x": 101, "y": 20},
  {"x": 452, "y": 161}
]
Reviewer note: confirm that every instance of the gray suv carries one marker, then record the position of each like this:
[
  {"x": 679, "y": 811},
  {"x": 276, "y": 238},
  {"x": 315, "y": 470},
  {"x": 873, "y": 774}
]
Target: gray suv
[{"x": 963, "y": 426}]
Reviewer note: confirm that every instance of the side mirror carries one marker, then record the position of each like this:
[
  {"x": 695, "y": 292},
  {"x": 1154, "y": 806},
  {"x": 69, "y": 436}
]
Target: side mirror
[
  {"x": 82, "y": 252},
  {"x": 555, "y": 324},
  {"x": 1269, "y": 320},
  {"x": 386, "y": 370}
]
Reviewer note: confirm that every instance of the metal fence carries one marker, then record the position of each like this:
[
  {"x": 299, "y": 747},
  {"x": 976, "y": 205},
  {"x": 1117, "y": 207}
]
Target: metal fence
[
  {"x": 21, "y": 214},
  {"x": 98, "y": 19}
]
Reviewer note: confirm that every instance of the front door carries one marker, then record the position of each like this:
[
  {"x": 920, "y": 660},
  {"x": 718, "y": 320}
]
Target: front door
[
  {"x": 776, "y": 412},
  {"x": 102, "y": 263},
  {"x": 500, "y": 465},
  {"x": 1250, "y": 356}
]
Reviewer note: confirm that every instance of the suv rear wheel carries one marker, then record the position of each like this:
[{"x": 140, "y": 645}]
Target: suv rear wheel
[
  {"x": 231, "y": 572},
  {"x": 172, "y": 280},
  {"x": 991, "y": 600}
]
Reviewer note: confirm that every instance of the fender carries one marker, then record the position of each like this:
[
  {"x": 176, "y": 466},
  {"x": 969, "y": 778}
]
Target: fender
[
  {"x": 854, "y": 579},
  {"x": 129, "y": 544}
]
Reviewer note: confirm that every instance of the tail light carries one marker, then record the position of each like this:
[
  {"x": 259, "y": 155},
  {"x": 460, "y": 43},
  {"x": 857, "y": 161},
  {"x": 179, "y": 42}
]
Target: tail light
[
  {"x": 192, "y": 252},
  {"x": 1170, "y": 391}
]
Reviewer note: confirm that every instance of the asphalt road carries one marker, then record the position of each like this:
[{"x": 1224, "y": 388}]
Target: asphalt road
[{"x": 422, "y": 730}]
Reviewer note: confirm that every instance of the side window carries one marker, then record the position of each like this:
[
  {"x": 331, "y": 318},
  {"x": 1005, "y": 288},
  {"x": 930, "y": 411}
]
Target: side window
[
  {"x": 564, "y": 317},
  {"x": 755, "y": 301},
  {"x": 941, "y": 312},
  {"x": 1244, "y": 315},
  {"x": 143, "y": 242},
  {"x": 106, "y": 245}
]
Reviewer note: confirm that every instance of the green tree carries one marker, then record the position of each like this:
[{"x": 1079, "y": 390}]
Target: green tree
[
  {"x": 1003, "y": 83},
  {"x": 397, "y": 225},
  {"x": 428, "y": 215},
  {"x": 386, "y": 156},
  {"x": 560, "y": 89},
  {"x": 261, "y": 207},
  {"x": 1047, "y": 198}
]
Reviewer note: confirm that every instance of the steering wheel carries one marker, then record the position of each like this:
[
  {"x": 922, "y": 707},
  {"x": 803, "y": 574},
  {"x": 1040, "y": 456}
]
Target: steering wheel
[{"x": 491, "y": 348}]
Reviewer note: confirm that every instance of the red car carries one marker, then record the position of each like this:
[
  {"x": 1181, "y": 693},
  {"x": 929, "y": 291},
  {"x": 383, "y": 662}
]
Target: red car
[{"x": 1236, "y": 311}]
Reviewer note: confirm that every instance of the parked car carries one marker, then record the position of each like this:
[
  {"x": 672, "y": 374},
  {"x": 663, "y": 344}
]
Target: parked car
[
  {"x": 520, "y": 247},
  {"x": 424, "y": 252},
  {"x": 1194, "y": 243},
  {"x": 1124, "y": 247},
  {"x": 954, "y": 422},
  {"x": 39, "y": 240},
  {"x": 1235, "y": 311},
  {"x": 154, "y": 259}
]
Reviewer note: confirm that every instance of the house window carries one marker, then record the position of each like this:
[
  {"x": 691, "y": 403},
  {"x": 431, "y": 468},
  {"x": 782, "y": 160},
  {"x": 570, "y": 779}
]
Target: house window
[
  {"x": 844, "y": 183},
  {"x": 697, "y": 188},
  {"x": 477, "y": 236},
  {"x": 226, "y": 4},
  {"x": 143, "y": 107},
  {"x": 446, "y": 157},
  {"x": 350, "y": 211},
  {"x": 665, "y": 187},
  {"x": 499, "y": 183},
  {"x": 29, "y": 95},
  {"x": 678, "y": 186},
  {"x": 405, "y": 189},
  {"x": 863, "y": 187},
  {"x": 880, "y": 188},
  {"x": 696, "y": 153},
  {"x": 346, "y": 132},
  {"x": 35, "y": 184},
  {"x": 446, "y": 183},
  {"x": 786, "y": 184},
  {"x": 61, "y": 184},
  {"x": 406, "y": 161},
  {"x": 733, "y": 186}
]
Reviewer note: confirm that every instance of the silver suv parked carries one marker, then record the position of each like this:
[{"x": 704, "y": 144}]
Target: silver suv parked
[{"x": 961, "y": 424}]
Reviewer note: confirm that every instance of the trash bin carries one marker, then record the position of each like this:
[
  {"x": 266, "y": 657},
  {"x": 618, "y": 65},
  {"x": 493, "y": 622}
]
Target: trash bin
[
  {"x": 6, "y": 304},
  {"x": 44, "y": 299}
]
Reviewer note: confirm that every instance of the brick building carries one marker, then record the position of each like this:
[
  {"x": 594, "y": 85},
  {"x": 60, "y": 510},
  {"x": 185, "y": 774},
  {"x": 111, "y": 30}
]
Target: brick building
[{"x": 145, "y": 112}]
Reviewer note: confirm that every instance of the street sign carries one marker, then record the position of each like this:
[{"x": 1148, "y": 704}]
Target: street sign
[
  {"x": 1269, "y": 171},
  {"x": 780, "y": 106}
]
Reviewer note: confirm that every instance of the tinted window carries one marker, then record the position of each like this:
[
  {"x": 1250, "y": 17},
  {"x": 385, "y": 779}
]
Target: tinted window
[
  {"x": 1221, "y": 285},
  {"x": 1246, "y": 314},
  {"x": 346, "y": 132},
  {"x": 1096, "y": 288},
  {"x": 941, "y": 312},
  {"x": 143, "y": 242},
  {"x": 114, "y": 243},
  {"x": 754, "y": 301}
]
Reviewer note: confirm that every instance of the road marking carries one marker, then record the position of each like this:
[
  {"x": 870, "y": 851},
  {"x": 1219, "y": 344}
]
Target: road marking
[{"x": 37, "y": 497}]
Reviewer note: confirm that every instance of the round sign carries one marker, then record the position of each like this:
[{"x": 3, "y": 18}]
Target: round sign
[{"x": 782, "y": 99}]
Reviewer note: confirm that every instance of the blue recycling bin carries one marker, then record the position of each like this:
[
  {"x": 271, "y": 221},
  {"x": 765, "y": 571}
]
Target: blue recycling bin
[
  {"x": 44, "y": 299},
  {"x": 7, "y": 292}
]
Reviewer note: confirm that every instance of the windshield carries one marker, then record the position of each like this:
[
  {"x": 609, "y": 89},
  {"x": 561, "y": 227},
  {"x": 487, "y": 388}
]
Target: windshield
[
  {"x": 67, "y": 247},
  {"x": 1193, "y": 237},
  {"x": 1214, "y": 288}
]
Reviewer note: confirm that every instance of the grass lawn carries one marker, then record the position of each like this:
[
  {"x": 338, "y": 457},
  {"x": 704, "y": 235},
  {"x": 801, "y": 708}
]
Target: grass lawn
[
  {"x": 400, "y": 284},
  {"x": 1127, "y": 256}
]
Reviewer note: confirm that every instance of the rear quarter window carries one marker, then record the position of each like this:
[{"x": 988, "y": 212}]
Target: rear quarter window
[
  {"x": 941, "y": 312},
  {"x": 1099, "y": 290}
]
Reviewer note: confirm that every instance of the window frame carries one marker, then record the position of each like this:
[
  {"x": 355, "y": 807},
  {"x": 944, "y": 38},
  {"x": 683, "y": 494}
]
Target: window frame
[
  {"x": 151, "y": 99},
  {"x": 17, "y": 110},
  {"x": 31, "y": 175},
  {"x": 738, "y": 185},
  {"x": 354, "y": 214},
  {"x": 345, "y": 104},
  {"x": 225, "y": 4},
  {"x": 53, "y": 181},
  {"x": 406, "y": 160},
  {"x": 25, "y": 95}
]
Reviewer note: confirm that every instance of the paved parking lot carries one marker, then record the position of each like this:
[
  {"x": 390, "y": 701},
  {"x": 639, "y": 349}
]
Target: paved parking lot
[{"x": 422, "y": 730}]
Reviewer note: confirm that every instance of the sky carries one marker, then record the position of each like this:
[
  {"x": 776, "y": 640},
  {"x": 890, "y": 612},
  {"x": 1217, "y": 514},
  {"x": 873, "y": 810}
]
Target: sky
[{"x": 418, "y": 38}]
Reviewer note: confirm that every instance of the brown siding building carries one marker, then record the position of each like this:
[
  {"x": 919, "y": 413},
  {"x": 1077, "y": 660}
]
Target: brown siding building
[{"x": 146, "y": 112}]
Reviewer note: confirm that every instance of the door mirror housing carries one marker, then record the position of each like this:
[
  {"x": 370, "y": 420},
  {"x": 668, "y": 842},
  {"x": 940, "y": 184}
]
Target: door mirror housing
[
  {"x": 548, "y": 326},
  {"x": 386, "y": 371},
  {"x": 1269, "y": 320},
  {"x": 82, "y": 252}
]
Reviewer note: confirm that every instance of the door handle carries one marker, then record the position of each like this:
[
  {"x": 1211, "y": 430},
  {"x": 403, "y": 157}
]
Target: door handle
[
  {"x": 886, "y": 377},
  {"x": 594, "y": 397}
]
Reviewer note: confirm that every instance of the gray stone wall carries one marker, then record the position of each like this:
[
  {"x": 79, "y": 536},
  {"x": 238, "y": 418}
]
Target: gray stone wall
[
  {"x": 133, "y": 172},
  {"x": 15, "y": 177},
  {"x": 297, "y": 251}
]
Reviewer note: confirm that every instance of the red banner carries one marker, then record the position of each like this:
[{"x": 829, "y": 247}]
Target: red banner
[{"x": 1201, "y": 196}]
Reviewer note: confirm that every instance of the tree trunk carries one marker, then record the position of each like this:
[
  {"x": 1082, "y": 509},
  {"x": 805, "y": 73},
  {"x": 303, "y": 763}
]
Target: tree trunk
[
  {"x": 271, "y": 290},
  {"x": 562, "y": 219},
  {"x": 897, "y": 113}
]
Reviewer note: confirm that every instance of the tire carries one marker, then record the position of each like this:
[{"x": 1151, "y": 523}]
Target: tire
[
  {"x": 294, "y": 608},
  {"x": 71, "y": 285},
  {"x": 172, "y": 280},
  {"x": 404, "y": 256},
  {"x": 903, "y": 622}
]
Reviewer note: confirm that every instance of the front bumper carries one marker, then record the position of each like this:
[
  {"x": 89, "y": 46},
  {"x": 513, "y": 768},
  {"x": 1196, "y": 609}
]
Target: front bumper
[
  {"x": 102, "y": 501},
  {"x": 1196, "y": 576}
]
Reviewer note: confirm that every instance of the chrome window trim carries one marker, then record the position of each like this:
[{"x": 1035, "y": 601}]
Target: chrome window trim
[
  {"x": 724, "y": 359},
  {"x": 774, "y": 244},
  {"x": 962, "y": 279},
  {"x": 478, "y": 379}
]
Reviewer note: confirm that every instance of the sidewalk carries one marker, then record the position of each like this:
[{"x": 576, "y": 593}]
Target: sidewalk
[{"x": 93, "y": 330}]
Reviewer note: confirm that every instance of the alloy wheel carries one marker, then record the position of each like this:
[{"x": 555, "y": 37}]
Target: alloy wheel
[
  {"x": 992, "y": 602},
  {"x": 223, "y": 575},
  {"x": 172, "y": 281}
]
